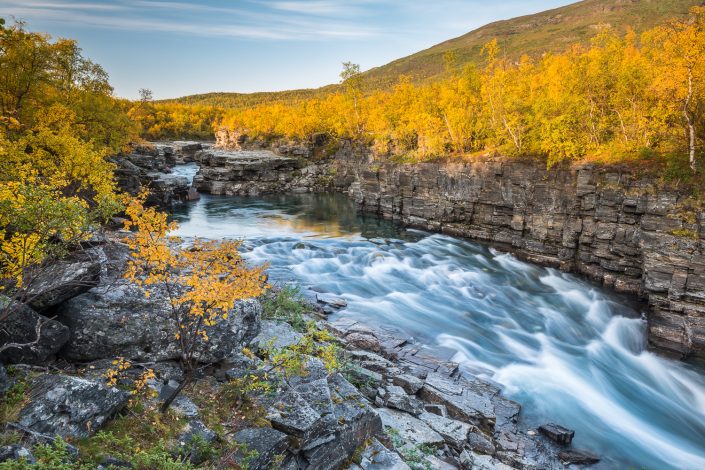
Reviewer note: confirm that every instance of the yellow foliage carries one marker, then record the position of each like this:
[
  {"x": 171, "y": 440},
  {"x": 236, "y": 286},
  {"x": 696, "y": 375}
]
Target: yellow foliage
[
  {"x": 202, "y": 282},
  {"x": 618, "y": 98}
]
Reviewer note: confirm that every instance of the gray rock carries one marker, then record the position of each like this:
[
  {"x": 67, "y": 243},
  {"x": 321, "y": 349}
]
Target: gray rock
[
  {"x": 276, "y": 335},
  {"x": 410, "y": 429},
  {"x": 466, "y": 401},
  {"x": 62, "y": 281},
  {"x": 195, "y": 430},
  {"x": 557, "y": 433},
  {"x": 110, "y": 321},
  {"x": 454, "y": 432},
  {"x": 70, "y": 406},
  {"x": 182, "y": 405},
  {"x": 408, "y": 382},
  {"x": 331, "y": 301},
  {"x": 378, "y": 457},
  {"x": 356, "y": 422},
  {"x": 268, "y": 443},
  {"x": 396, "y": 397},
  {"x": 578, "y": 457},
  {"x": 16, "y": 452},
  {"x": 6, "y": 382},
  {"x": 480, "y": 443},
  {"x": 366, "y": 341},
  {"x": 41, "y": 337},
  {"x": 291, "y": 414},
  {"x": 482, "y": 462}
]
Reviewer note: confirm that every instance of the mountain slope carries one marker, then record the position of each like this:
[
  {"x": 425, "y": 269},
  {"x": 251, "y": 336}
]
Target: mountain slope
[{"x": 551, "y": 30}]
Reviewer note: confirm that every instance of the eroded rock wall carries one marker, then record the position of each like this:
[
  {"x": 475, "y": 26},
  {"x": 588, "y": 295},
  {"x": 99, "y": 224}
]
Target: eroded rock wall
[
  {"x": 608, "y": 225},
  {"x": 616, "y": 228}
]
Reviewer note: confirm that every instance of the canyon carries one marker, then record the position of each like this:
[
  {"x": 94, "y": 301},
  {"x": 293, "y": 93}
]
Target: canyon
[{"x": 626, "y": 231}]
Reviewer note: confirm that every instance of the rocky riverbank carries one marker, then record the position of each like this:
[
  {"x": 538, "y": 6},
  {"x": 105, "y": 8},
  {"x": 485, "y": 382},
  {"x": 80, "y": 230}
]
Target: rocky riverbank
[
  {"x": 623, "y": 230},
  {"x": 386, "y": 403}
]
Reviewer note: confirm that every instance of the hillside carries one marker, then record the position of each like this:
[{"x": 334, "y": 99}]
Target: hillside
[{"x": 551, "y": 30}]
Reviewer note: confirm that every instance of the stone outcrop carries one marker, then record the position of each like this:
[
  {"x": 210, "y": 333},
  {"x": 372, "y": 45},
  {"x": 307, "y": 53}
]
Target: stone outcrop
[
  {"x": 255, "y": 172},
  {"x": 439, "y": 414},
  {"x": 146, "y": 331},
  {"x": 62, "y": 281},
  {"x": 69, "y": 406},
  {"x": 150, "y": 166},
  {"x": 28, "y": 337}
]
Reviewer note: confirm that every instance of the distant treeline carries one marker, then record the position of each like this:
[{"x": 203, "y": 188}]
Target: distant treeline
[{"x": 620, "y": 98}]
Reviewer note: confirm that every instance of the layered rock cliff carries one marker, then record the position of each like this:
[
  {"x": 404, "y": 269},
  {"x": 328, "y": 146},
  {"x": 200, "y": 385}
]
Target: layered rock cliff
[{"x": 616, "y": 228}]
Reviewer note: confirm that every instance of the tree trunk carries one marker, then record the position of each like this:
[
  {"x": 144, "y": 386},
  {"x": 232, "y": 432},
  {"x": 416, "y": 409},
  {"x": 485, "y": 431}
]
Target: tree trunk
[
  {"x": 690, "y": 122},
  {"x": 169, "y": 400}
]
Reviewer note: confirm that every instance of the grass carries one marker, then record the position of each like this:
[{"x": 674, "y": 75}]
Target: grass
[{"x": 286, "y": 304}]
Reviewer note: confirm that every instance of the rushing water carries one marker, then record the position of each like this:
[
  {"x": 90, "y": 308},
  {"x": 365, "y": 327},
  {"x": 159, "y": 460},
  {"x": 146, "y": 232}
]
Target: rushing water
[{"x": 567, "y": 350}]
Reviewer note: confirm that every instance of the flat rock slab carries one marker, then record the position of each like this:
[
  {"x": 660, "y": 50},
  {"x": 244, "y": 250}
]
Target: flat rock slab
[
  {"x": 410, "y": 429},
  {"x": 469, "y": 401},
  {"x": 378, "y": 457},
  {"x": 70, "y": 406},
  {"x": 331, "y": 300},
  {"x": 454, "y": 432},
  {"x": 276, "y": 335},
  {"x": 267, "y": 442}
]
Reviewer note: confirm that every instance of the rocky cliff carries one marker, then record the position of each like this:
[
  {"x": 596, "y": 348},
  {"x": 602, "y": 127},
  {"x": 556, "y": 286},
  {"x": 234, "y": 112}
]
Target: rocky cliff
[{"x": 616, "y": 228}]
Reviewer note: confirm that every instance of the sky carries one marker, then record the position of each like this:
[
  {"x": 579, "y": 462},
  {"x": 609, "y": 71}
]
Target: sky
[{"x": 183, "y": 47}]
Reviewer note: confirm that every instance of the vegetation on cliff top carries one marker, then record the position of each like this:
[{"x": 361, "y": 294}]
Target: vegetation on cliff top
[{"x": 622, "y": 98}]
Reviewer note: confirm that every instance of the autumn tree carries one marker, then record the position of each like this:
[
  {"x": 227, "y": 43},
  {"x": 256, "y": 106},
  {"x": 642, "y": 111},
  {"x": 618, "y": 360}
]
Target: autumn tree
[
  {"x": 677, "y": 50},
  {"x": 351, "y": 79},
  {"x": 201, "y": 283}
]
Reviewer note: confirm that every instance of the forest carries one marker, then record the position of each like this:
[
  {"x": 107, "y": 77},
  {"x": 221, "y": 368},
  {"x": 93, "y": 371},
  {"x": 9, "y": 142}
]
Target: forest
[{"x": 621, "y": 98}]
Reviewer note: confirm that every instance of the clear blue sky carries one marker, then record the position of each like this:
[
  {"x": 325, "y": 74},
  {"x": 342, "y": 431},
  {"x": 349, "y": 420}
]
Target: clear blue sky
[{"x": 181, "y": 47}]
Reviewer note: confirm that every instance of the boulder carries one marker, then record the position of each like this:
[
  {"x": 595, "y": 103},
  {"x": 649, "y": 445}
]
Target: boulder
[
  {"x": 182, "y": 405},
  {"x": 16, "y": 452},
  {"x": 110, "y": 321},
  {"x": 276, "y": 335},
  {"x": 578, "y": 457},
  {"x": 61, "y": 281},
  {"x": 37, "y": 337},
  {"x": 557, "y": 433},
  {"x": 70, "y": 407},
  {"x": 378, "y": 457},
  {"x": 268, "y": 444}
]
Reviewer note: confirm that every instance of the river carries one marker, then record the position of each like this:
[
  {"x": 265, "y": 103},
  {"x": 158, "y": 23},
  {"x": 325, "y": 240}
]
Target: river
[{"x": 567, "y": 350}]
